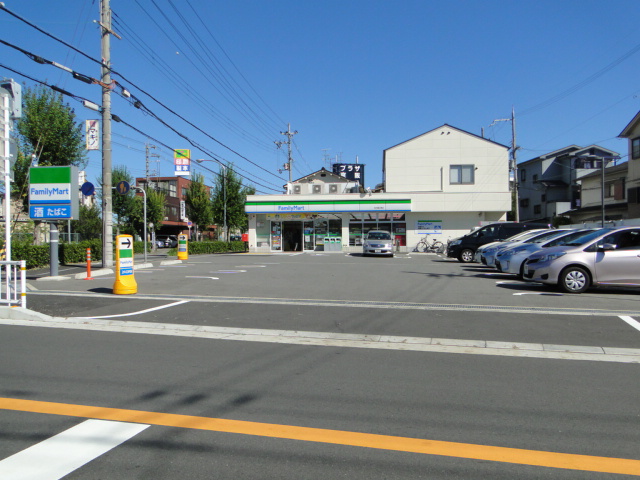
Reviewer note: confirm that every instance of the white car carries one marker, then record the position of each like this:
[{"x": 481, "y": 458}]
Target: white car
[
  {"x": 488, "y": 254},
  {"x": 512, "y": 259},
  {"x": 378, "y": 242}
]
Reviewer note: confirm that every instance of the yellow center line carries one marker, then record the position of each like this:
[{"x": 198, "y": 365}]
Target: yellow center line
[{"x": 367, "y": 440}]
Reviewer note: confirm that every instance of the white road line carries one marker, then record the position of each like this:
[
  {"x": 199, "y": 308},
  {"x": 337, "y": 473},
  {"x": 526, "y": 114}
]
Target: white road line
[
  {"x": 229, "y": 271},
  {"x": 61, "y": 454},
  {"x": 346, "y": 340},
  {"x": 634, "y": 323},
  {"x": 212, "y": 278},
  {"x": 142, "y": 311}
]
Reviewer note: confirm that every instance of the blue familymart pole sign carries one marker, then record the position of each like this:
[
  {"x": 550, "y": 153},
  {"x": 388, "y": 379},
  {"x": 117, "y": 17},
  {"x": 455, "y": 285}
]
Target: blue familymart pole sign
[{"x": 53, "y": 193}]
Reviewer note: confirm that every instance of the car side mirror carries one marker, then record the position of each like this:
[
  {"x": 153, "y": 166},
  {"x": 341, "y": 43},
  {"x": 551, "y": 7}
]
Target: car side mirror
[{"x": 606, "y": 247}]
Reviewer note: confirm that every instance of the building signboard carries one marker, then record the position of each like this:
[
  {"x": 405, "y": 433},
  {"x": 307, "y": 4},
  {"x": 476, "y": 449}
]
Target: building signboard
[
  {"x": 53, "y": 193},
  {"x": 329, "y": 206},
  {"x": 182, "y": 162},
  {"x": 428, "y": 227},
  {"x": 350, "y": 171}
]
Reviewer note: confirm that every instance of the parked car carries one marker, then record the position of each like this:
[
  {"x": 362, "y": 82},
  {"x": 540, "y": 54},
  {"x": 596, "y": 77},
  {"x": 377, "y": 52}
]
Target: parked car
[
  {"x": 167, "y": 241},
  {"x": 464, "y": 248},
  {"x": 511, "y": 260},
  {"x": 486, "y": 253},
  {"x": 606, "y": 257},
  {"x": 378, "y": 242}
]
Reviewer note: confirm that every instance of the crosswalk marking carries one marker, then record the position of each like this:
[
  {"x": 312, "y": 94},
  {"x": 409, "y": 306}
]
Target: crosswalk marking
[{"x": 61, "y": 454}]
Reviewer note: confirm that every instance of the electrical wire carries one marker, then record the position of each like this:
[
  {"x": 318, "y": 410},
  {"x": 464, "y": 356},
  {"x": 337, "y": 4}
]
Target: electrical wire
[{"x": 101, "y": 63}]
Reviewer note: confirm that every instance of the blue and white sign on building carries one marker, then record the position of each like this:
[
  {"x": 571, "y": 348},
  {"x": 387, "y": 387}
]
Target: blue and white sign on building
[{"x": 53, "y": 193}]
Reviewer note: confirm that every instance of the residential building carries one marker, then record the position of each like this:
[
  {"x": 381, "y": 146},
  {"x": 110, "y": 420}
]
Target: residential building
[
  {"x": 442, "y": 183},
  {"x": 175, "y": 217},
  {"x": 596, "y": 206},
  {"x": 632, "y": 133},
  {"x": 549, "y": 185}
]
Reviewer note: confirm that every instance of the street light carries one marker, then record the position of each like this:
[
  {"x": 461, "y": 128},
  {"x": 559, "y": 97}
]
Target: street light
[{"x": 224, "y": 189}]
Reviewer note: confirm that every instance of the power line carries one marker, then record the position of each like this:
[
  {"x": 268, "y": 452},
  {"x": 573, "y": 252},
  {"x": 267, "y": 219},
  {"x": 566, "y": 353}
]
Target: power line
[{"x": 3, "y": 7}]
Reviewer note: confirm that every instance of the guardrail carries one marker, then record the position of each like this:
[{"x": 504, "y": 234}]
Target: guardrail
[{"x": 12, "y": 295}]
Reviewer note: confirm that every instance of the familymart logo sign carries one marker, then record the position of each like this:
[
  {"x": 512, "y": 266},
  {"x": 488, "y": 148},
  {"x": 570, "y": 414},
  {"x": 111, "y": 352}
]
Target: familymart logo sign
[{"x": 53, "y": 193}]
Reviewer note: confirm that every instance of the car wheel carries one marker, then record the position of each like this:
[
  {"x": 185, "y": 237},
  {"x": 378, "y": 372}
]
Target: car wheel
[
  {"x": 466, "y": 256},
  {"x": 521, "y": 272},
  {"x": 574, "y": 280}
]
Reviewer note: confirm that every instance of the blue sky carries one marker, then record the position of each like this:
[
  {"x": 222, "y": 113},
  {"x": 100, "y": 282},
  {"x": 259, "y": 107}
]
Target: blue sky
[{"x": 353, "y": 78}]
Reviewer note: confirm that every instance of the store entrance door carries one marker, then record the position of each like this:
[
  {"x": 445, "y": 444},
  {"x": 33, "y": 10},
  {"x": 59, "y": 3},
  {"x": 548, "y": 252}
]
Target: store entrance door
[{"x": 292, "y": 236}]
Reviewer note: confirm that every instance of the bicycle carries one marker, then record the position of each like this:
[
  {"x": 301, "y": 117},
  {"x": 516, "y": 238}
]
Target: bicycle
[{"x": 435, "y": 246}]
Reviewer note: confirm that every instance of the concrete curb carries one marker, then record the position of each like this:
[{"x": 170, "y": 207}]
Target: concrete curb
[
  {"x": 95, "y": 273},
  {"x": 19, "y": 313}
]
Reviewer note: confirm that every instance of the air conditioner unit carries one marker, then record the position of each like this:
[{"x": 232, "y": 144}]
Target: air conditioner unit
[
  {"x": 333, "y": 188},
  {"x": 297, "y": 189},
  {"x": 317, "y": 189},
  {"x": 166, "y": 219}
]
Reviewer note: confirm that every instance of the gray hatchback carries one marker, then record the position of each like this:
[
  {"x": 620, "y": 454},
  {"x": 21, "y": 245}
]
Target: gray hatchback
[{"x": 606, "y": 257}]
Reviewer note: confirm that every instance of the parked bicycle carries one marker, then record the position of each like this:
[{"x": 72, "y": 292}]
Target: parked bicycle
[{"x": 433, "y": 246}]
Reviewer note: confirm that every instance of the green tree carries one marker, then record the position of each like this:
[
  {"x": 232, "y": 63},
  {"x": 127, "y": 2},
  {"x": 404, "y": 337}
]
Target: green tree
[
  {"x": 122, "y": 205},
  {"x": 236, "y": 197},
  {"x": 49, "y": 132},
  {"x": 48, "y": 129},
  {"x": 198, "y": 203},
  {"x": 155, "y": 211},
  {"x": 89, "y": 226}
]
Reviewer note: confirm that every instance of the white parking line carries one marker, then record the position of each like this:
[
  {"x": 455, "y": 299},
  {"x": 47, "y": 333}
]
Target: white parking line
[
  {"x": 212, "y": 278},
  {"x": 143, "y": 311},
  {"x": 635, "y": 324},
  {"x": 61, "y": 454}
]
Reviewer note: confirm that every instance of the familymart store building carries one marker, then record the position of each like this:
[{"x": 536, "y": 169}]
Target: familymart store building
[
  {"x": 330, "y": 223},
  {"x": 288, "y": 223}
]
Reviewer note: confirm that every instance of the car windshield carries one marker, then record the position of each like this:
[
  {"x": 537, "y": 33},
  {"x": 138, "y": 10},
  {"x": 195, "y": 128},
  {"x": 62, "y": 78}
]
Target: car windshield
[
  {"x": 548, "y": 235},
  {"x": 378, "y": 236},
  {"x": 522, "y": 236},
  {"x": 587, "y": 237},
  {"x": 564, "y": 238}
]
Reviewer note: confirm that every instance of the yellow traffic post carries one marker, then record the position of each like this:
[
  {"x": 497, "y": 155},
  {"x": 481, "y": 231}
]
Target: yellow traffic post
[
  {"x": 183, "y": 248},
  {"x": 125, "y": 283}
]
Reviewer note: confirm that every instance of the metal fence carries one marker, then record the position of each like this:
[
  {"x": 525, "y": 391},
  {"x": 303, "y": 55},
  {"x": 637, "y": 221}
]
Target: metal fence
[{"x": 14, "y": 283}]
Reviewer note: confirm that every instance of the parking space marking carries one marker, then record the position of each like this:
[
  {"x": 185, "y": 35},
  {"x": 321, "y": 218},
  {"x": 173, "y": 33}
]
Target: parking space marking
[
  {"x": 194, "y": 276},
  {"x": 634, "y": 323},
  {"x": 519, "y": 456},
  {"x": 61, "y": 454},
  {"x": 229, "y": 271},
  {"x": 142, "y": 311}
]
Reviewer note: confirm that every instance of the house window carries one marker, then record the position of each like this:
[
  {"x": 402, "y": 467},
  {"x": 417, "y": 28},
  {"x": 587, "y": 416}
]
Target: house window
[
  {"x": 523, "y": 174},
  {"x": 524, "y": 202},
  {"x": 535, "y": 178},
  {"x": 537, "y": 209},
  {"x": 609, "y": 190},
  {"x": 635, "y": 148},
  {"x": 543, "y": 197},
  {"x": 461, "y": 174}
]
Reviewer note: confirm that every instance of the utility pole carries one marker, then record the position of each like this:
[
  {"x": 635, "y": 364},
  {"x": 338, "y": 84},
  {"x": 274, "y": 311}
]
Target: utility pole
[
  {"x": 289, "y": 134},
  {"x": 148, "y": 155},
  {"x": 513, "y": 167},
  {"x": 107, "y": 215}
]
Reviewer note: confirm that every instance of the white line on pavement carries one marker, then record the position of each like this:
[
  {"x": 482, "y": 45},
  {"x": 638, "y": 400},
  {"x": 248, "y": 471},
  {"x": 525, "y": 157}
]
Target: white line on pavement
[
  {"x": 61, "y": 454},
  {"x": 142, "y": 311},
  {"x": 346, "y": 340},
  {"x": 634, "y": 323}
]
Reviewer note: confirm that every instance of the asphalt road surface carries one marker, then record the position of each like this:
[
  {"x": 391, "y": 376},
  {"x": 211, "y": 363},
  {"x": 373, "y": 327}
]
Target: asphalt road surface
[{"x": 319, "y": 366}]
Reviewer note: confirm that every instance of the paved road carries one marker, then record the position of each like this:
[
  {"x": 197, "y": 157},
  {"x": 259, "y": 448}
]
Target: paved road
[{"x": 326, "y": 366}]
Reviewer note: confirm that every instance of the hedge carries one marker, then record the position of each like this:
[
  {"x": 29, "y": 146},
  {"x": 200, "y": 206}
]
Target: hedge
[
  {"x": 196, "y": 248},
  {"x": 38, "y": 255}
]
